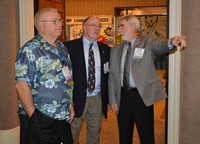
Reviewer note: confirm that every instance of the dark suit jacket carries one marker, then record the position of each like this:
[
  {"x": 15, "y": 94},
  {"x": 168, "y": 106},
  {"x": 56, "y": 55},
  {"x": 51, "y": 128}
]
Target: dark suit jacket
[{"x": 75, "y": 48}]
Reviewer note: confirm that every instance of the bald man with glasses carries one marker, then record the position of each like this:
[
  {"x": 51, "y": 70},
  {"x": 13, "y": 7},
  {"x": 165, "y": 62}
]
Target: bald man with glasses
[
  {"x": 44, "y": 84},
  {"x": 90, "y": 63}
]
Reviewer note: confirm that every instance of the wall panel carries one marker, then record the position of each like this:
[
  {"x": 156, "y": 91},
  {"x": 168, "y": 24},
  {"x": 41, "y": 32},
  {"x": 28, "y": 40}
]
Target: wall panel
[
  {"x": 190, "y": 78},
  {"x": 9, "y": 42},
  {"x": 105, "y": 7}
]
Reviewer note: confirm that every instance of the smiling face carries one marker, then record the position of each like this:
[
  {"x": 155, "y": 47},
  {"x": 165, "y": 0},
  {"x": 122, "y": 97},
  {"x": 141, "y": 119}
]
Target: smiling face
[{"x": 92, "y": 28}]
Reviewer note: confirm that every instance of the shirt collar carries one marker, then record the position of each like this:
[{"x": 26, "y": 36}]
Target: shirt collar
[
  {"x": 132, "y": 42},
  {"x": 86, "y": 42},
  {"x": 46, "y": 45}
]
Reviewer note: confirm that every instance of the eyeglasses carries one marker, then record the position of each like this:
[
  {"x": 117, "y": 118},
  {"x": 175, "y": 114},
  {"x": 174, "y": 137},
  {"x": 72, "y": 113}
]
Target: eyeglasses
[
  {"x": 94, "y": 26},
  {"x": 55, "y": 21}
]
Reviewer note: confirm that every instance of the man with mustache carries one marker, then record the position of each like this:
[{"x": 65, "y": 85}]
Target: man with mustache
[{"x": 134, "y": 85}]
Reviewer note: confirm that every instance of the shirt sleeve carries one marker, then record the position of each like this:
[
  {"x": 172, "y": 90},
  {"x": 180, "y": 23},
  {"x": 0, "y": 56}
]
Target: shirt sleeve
[
  {"x": 170, "y": 45},
  {"x": 25, "y": 65}
]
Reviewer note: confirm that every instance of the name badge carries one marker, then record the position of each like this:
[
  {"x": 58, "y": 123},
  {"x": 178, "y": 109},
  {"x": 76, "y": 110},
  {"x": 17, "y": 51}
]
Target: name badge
[
  {"x": 68, "y": 76},
  {"x": 138, "y": 53},
  {"x": 106, "y": 67}
]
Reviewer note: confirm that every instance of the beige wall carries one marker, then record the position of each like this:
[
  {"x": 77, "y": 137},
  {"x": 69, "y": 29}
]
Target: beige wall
[
  {"x": 9, "y": 41},
  {"x": 190, "y": 77},
  {"x": 105, "y": 7}
]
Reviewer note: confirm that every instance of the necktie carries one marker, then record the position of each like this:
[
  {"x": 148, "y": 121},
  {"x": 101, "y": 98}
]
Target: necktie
[
  {"x": 127, "y": 62},
  {"x": 91, "y": 70}
]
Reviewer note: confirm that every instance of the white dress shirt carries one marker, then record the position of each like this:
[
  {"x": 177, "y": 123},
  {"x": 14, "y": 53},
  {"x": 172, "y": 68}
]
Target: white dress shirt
[
  {"x": 95, "y": 48},
  {"x": 131, "y": 80}
]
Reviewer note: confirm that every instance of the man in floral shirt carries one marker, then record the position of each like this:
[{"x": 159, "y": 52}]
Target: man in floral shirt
[{"x": 44, "y": 83}]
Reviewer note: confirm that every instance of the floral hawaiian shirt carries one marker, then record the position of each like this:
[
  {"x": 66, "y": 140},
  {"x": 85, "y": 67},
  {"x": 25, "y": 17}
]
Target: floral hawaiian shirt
[{"x": 40, "y": 65}]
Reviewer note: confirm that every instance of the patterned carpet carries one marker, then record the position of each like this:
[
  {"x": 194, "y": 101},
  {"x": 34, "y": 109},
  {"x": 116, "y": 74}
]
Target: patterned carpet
[{"x": 109, "y": 131}]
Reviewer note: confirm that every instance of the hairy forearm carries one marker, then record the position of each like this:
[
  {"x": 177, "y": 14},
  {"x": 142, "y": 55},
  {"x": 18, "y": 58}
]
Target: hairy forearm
[{"x": 25, "y": 97}]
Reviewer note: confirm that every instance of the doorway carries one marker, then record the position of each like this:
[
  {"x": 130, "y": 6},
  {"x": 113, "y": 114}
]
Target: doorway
[{"x": 175, "y": 8}]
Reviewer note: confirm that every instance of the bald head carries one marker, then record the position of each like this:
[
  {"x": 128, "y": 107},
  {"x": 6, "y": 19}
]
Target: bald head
[
  {"x": 40, "y": 15},
  {"x": 91, "y": 28},
  {"x": 91, "y": 17}
]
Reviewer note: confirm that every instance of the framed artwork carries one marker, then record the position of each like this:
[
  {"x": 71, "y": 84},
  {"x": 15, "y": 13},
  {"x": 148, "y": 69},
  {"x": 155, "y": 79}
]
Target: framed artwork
[{"x": 154, "y": 25}]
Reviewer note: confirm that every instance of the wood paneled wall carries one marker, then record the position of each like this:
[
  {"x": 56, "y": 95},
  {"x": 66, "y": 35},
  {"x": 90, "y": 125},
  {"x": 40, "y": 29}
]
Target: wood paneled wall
[{"x": 105, "y": 7}]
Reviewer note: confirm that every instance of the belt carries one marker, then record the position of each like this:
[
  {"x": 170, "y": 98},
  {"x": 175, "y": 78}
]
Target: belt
[{"x": 130, "y": 89}]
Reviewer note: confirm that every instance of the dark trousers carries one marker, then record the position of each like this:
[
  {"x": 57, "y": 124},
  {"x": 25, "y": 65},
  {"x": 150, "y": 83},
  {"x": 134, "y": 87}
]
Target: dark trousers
[
  {"x": 40, "y": 129},
  {"x": 133, "y": 110}
]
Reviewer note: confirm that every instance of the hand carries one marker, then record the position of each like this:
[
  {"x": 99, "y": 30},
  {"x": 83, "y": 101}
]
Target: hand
[
  {"x": 72, "y": 114},
  {"x": 114, "y": 107},
  {"x": 30, "y": 113},
  {"x": 178, "y": 41}
]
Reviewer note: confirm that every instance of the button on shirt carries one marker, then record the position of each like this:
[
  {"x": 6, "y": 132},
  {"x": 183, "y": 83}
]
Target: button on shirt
[
  {"x": 132, "y": 82},
  {"x": 86, "y": 45},
  {"x": 38, "y": 64}
]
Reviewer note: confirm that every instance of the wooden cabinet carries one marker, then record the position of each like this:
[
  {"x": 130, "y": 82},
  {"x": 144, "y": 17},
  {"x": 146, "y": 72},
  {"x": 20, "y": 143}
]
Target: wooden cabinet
[{"x": 60, "y": 6}]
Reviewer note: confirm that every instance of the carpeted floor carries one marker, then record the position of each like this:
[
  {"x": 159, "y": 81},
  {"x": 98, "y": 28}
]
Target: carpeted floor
[{"x": 109, "y": 131}]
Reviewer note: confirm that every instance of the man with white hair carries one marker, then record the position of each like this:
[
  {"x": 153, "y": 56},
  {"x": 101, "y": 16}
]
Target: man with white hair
[{"x": 133, "y": 82}]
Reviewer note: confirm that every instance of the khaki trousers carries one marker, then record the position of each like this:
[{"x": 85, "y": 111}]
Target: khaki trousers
[{"x": 94, "y": 116}]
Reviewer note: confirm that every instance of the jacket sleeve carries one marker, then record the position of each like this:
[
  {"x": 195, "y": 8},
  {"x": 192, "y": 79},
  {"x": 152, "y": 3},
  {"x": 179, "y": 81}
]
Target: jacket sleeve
[{"x": 111, "y": 80}]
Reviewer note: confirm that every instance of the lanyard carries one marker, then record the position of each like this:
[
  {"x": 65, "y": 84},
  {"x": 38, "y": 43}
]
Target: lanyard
[{"x": 61, "y": 58}]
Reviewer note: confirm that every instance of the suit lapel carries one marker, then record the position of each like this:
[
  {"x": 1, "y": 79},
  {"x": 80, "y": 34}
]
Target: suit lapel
[
  {"x": 138, "y": 42},
  {"x": 102, "y": 56},
  {"x": 120, "y": 52},
  {"x": 101, "y": 51},
  {"x": 121, "y": 48},
  {"x": 82, "y": 57}
]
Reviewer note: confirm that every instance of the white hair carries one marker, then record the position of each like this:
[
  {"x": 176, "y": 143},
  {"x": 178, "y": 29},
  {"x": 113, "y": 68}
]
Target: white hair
[{"x": 131, "y": 19}]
